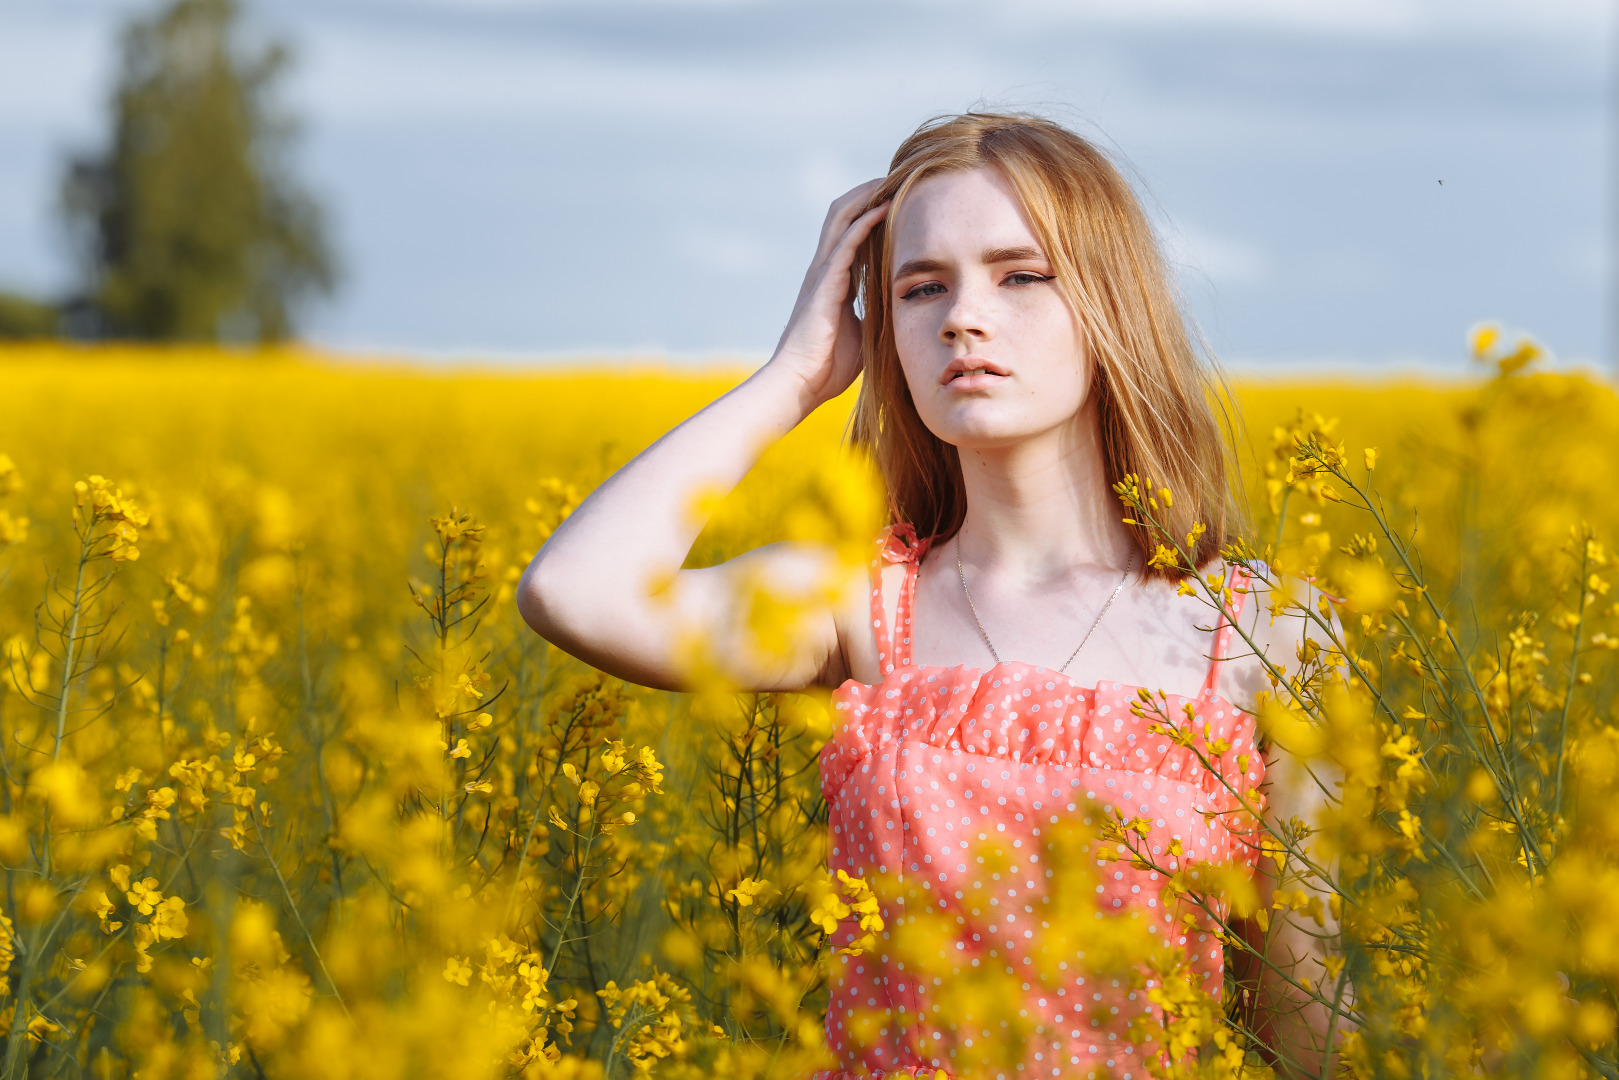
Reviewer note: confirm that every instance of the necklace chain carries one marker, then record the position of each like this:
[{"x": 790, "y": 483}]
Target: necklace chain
[{"x": 962, "y": 574}]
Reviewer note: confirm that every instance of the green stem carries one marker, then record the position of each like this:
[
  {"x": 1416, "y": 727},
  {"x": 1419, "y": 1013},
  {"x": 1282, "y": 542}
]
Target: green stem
[
  {"x": 1332, "y": 1024},
  {"x": 69, "y": 656},
  {"x": 1573, "y": 675},
  {"x": 581, "y": 875},
  {"x": 630, "y": 1025},
  {"x": 534, "y": 824},
  {"x": 252, "y": 814}
]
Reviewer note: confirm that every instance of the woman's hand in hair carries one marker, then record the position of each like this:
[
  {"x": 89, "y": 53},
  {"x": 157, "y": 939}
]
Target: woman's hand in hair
[
  {"x": 611, "y": 587},
  {"x": 822, "y": 341}
]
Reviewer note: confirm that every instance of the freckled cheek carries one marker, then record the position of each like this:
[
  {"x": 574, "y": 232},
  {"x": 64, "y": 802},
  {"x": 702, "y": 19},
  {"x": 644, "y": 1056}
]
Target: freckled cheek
[
  {"x": 921, "y": 359},
  {"x": 917, "y": 339},
  {"x": 1051, "y": 350}
]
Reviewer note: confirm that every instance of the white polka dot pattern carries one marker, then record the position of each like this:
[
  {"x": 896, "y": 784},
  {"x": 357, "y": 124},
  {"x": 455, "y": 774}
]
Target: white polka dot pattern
[{"x": 933, "y": 761}]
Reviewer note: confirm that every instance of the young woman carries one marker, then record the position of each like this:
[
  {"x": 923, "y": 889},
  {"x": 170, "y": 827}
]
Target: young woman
[{"x": 1022, "y": 351}]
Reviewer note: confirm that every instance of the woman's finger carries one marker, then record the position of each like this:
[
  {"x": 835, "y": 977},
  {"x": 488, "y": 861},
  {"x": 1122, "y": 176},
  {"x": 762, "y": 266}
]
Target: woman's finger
[
  {"x": 855, "y": 196},
  {"x": 830, "y": 242},
  {"x": 855, "y": 235},
  {"x": 844, "y": 209},
  {"x": 828, "y": 281}
]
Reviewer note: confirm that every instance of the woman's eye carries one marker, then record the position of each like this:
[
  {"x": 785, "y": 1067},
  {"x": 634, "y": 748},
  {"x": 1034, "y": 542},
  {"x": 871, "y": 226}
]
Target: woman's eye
[
  {"x": 1029, "y": 277},
  {"x": 927, "y": 288}
]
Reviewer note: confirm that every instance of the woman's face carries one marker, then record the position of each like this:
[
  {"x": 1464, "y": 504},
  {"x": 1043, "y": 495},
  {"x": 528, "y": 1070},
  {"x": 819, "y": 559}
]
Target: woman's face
[{"x": 991, "y": 351}]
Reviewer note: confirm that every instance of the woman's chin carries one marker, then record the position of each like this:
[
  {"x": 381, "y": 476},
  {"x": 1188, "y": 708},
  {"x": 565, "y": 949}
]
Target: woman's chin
[
  {"x": 985, "y": 422},
  {"x": 988, "y": 433}
]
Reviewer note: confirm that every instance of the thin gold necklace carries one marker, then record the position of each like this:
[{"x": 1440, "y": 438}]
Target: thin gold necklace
[{"x": 962, "y": 574}]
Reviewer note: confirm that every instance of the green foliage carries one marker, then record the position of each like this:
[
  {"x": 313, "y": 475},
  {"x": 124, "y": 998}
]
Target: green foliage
[
  {"x": 23, "y": 318},
  {"x": 193, "y": 226}
]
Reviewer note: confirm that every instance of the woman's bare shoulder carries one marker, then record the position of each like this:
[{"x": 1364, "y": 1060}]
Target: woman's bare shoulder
[
  {"x": 856, "y": 618},
  {"x": 1279, "y": 624}
]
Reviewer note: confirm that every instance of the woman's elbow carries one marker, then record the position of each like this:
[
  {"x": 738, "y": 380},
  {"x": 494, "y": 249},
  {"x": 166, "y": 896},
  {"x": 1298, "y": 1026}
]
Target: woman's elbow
[{"x": 541, "y": 597}]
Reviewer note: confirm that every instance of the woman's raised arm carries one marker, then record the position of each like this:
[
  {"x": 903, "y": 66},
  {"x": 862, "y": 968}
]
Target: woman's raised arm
[{"x": 608, "y": 587}]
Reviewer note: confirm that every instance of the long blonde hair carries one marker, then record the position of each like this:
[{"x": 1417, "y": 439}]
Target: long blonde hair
[{"x": 1156, "y": 398}]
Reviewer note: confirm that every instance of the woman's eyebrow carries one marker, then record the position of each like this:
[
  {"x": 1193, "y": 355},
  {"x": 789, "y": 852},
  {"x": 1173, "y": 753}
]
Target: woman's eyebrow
[
  {"x": 1013, "y": 254},
  {"x": 990, "y": 257},
  {"x": 921, "y": 266}
]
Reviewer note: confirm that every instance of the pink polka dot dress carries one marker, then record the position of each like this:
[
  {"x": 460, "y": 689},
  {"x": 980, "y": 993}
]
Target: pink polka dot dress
[{"x": 925, "y": 765}]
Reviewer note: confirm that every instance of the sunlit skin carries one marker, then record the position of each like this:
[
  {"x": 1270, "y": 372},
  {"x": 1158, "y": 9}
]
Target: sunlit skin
[
  {"x": 1042, "y": 538},
  {"x": 1042, "y": 546},
  {"x": 974, "y": 292}
]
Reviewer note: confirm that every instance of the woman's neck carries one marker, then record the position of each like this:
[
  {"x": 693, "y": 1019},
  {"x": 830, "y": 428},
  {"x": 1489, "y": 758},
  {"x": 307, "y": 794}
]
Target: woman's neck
[{"x": 1043, "y": 508}]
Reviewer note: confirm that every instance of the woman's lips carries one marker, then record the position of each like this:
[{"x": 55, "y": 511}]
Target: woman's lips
[
  {"x": 972, "y": 373},
  {"x": 974, "y": 379}
]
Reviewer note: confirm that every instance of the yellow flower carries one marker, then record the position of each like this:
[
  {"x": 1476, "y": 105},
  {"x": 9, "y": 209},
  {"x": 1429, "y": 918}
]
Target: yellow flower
[
  {"x": 169, "y": 919},
  {"x": 746, "y": 891},
  {"x": 464, "y": 684},
  {"x": 104, "y": 907},
  {"x": 40, "y": 1026},
  {"x": 13, "y": 530},
  {"x": 650, "y": 768},
  {"x": 828, "y": 912},
  {"x": 144, "y": 895},
  {"x": 457, "y": 970},
  {"x": 1165, "y": 557},
  {"x": 862, "y": 903}
]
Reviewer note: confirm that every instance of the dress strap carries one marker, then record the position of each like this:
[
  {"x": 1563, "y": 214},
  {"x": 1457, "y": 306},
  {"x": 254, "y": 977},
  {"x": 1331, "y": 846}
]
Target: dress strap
[
  {"x": 1236, "y": 585},
  {"x": 902, "y": 615},
  {"x": 897, "y": 545}
]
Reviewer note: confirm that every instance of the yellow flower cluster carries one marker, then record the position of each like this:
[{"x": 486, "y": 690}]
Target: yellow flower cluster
[
  {"x": 288, "y": 790},
  {"x": 862, "y": 904},
  {"x": 13, "y": 530}
]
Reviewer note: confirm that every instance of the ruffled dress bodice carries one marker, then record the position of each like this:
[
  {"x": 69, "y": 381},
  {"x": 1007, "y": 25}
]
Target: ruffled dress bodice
[{"x": 931, "y": 763}]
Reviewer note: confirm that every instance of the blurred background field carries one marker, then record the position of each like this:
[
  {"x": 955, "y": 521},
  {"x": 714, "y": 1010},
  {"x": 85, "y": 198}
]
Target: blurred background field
[
  {"x": 353, "y": 454},
  {"x": 239, "y": 455}
]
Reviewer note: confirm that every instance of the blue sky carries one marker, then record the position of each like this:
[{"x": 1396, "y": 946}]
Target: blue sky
[{"x": 519, "y": 178}]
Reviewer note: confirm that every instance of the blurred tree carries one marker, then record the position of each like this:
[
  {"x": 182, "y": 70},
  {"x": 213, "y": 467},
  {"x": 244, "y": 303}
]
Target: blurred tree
[
  {"x": 23, "y": 317},
  {"x": 190, "y": 222}
]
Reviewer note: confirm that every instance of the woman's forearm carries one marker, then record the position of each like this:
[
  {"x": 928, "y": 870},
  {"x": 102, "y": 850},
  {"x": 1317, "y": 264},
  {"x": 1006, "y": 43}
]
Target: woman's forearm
[
  {"x": 587, "y": 590},
  {"x": 590, "y": 588}
]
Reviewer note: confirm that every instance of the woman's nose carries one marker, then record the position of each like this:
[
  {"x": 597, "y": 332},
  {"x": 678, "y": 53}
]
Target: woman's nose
[{"x": 965, "y": 318}]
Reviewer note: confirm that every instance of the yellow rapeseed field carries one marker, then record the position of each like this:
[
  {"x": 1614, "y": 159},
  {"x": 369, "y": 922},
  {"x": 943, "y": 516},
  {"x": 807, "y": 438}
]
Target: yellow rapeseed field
[{"x": 288, "y": 790}]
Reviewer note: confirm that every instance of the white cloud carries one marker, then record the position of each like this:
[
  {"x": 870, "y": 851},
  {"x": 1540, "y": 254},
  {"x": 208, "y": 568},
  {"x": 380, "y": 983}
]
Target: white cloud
[
  {"x": 721, "y": 249},
  {"x": 824, "y": 177},
  {"x": 1589, "y": 255},
  {"x": 461, "y": 140},
  {"x": 1222, "y": 260},
  {"x": 1372, "y": 16},
  {"x": 40, "y": 57},
  {"x": 1399, "y": 17}
]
